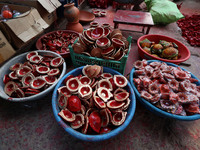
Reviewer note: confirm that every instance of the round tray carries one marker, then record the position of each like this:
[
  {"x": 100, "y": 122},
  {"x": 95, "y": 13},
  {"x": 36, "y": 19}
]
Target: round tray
[{"x": 86, "y": 16}]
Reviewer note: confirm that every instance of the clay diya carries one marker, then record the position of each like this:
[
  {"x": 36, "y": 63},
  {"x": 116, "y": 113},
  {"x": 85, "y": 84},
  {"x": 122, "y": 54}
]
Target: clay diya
[
  {"x": 96, "y": 52},
  {"x": 117, "y": 43},
  {"x": 116, "y": 33},
  {"x": 78, "y": 48},
  {"x": 107, "y": 51},
  {"x": 120, "y": 56},
  {"x": 108, "y": 57},
  {"x": 103, "y": 13},
  {"x": 125, "y": 42},
  {"x": 38, "y": 73},
  {"x": 103, "y": 42},
  {"x": 57, "y": 41},
  {"x": 97, "y": 43},
  {"x": 117, "y": 53},
  {"x": 106, "y": 31},
  {"x": 87, "y": 34},
  {"x": 105, "y": 25},
  {"x": 86, "y": 54},
  {"x": 97, "y": 33},
  {"x": 97, "y": 13},
  {"x": 94, "y": 24},
  {"x": 100, "y": 104},
  {"x": 85, "y": 41}
]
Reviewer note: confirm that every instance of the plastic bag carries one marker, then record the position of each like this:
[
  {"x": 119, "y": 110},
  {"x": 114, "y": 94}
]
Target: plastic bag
[{"x": 163, "y": 12}]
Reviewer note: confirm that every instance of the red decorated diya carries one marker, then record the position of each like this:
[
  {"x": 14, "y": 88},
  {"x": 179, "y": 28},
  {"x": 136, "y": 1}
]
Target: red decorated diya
[
  {"x": 108, "y": 50},
  {"x": 106, "y": 31},
  {"x": 87, "y": 34},
  {"x": 103, "y": 42},
  {"x": 97, "y": 33},
  {"x": 117, "y": 43},
  {"x": 94, "y": 24}
]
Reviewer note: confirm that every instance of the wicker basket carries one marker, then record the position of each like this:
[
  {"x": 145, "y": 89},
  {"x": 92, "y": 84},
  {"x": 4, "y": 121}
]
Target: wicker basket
[{"x": 81, "y": 60}]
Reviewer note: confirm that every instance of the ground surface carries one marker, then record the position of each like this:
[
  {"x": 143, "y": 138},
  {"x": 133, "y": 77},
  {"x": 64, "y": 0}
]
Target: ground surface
[{"x": 32, "y": 126}]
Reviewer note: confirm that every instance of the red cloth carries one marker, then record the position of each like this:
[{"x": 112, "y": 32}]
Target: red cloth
[{"x": 99, "y": 3}]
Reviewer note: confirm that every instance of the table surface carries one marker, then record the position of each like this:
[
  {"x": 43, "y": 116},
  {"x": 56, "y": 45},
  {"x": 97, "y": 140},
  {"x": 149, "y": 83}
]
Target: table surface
[{"x": 133, "y": 17}]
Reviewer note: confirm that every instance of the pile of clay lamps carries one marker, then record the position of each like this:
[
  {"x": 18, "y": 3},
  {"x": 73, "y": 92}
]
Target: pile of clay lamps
[
  {"x": 102, "y": 42},
  {"x": 94, "y": 102}
]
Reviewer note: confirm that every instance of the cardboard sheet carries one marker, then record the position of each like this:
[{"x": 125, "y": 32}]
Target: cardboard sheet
[
  {"x": 27, "y": 26},
  {"x": 6, "y": 50},
  {"x": 50, "y": 5}
]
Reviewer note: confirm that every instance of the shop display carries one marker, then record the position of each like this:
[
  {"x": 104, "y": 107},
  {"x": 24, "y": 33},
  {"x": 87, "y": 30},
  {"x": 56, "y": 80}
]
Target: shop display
[
  {"x": 76, "y": 84},
  {"x": 167, "y": 87},
  {"x": 86, "y": 100},
  {"x": 101, "y": 45},
  {"x": 93, "y": 101},
  {"x": 163, "y": 48},
  {"x": 57, "y": 41},
  {"x": 31, "y": 75}
]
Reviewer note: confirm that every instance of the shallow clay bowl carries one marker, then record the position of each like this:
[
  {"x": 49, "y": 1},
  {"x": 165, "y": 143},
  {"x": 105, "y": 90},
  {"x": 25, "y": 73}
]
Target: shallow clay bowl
[
  {"x": 86, "y": 137},
  {"x": 157, "y": 110},
  {"x": 108, "y": 50},
  {"x": 97, "y": 33},
  {"x": 106, "y": 31},
  {"x": 94, "y": 24},
  {"x": 86, "y": 16},
  {"x": 103, "y": 42},
  {"x": 64, "y": 54},
  {"x": 117, "y": 43},
  {"x": 21, "y": 59},
  {"x": 183, "y": 50}
]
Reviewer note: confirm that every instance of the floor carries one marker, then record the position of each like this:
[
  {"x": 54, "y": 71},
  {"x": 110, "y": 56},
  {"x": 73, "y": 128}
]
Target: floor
[{"x": 31, "y": 126}]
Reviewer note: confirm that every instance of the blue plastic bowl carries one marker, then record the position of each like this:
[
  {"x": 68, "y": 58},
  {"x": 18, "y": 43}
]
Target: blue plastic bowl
[
  {"x": 85, "y": 137},
  {"x": 157, "y": 110},
  {"x": 21, "y": 59}
]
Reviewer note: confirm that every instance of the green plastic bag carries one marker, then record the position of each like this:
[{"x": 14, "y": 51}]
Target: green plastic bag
[{"x": 163, "y": 11}]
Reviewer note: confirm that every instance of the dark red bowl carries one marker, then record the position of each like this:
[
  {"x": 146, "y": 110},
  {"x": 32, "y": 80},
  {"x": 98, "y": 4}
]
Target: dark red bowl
[
  {"x": 64, "y": 54},
  {"x": 183, "y": 50}
]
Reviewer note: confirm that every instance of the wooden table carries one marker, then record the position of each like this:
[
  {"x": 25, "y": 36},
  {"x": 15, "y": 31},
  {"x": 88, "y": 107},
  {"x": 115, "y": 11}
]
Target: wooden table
[{"x": 138, "y": 18}]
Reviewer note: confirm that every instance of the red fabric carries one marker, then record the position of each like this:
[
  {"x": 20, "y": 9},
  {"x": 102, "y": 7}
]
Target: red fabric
[
  {"x": 190, "y": 26},
  {"x": 99, "y": 3}
]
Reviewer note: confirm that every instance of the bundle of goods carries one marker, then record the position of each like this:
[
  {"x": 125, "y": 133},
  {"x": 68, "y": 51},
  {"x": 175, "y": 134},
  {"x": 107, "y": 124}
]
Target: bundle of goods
[{"x": 163, "y": 49}]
